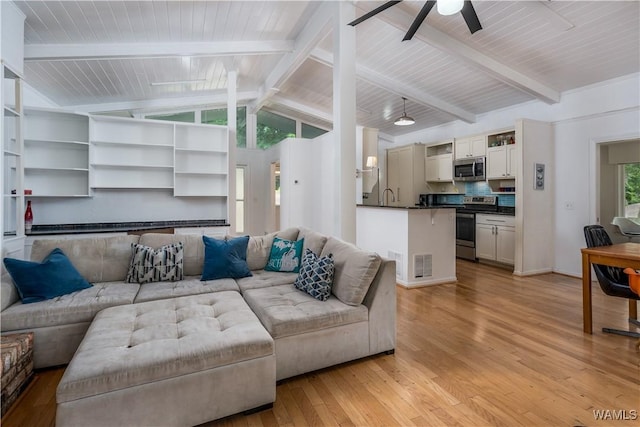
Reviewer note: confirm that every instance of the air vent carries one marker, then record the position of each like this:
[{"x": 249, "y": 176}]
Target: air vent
[
  {"x": 422, "y": 265},
  {"x": 397, "y": 256}
]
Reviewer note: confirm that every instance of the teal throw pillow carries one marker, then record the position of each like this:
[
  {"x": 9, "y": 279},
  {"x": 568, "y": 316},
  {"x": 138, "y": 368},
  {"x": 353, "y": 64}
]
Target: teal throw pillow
[
  {"x": 285, "y": 255},
  {"x": 225, "y": 258},
  {"x": 39, "y": 281},
  {"x": 316, "y": 275}
]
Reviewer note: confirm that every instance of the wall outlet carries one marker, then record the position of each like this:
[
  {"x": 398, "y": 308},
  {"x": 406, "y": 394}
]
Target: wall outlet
[{"x": 568, "y": 206}]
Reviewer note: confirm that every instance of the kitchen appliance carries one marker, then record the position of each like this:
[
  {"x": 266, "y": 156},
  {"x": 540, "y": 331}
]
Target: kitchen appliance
[
  {"x": 466, "y": 223},
  {"x": 471, "y": 169}
]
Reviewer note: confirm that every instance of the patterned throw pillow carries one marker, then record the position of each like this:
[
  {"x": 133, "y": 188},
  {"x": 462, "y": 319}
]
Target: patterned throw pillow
[
  {"x": 155, "y": 265},
  {"x": 316, "y": 275},
  {"x": 285, "y": 255}
]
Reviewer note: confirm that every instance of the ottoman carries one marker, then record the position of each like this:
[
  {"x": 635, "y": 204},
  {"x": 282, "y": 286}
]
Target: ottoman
[
  {"x": 175, "y": 362},
  {"x": 17, "y": 366}
]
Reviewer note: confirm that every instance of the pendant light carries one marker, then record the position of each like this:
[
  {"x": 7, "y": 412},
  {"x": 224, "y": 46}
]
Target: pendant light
[
  {"x": 404, "y": 120},
  {"x": 449, "y": 7}
]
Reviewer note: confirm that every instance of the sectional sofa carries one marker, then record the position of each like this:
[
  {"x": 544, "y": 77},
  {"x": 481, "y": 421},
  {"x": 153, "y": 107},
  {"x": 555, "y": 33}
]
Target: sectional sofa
[{"x": 357, "y": 320}]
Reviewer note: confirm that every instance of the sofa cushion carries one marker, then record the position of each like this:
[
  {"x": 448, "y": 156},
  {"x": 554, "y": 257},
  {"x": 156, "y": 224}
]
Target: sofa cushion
[
  {"x": 354, "y": 270},
  {"x": 316, "y": 276},
  {"x": 265, "y": 279},
  {"x": 225, "y": 258},
  {"x": 155, "y": 265},
  {"x": 76, "y": 307},
  {"x": 285, "y": 255},
  {"x": 191, "y": 285},
  {"x": 8, "y": 292},
  {"x": 312, "y": 240},
  {"x": 259, "y": 247},
  {"x": 97, "y": 259},
  {"x": 192, "y": 252},
  {"x": 284, "y": 311},
  {"x": 39, "y": 281}
]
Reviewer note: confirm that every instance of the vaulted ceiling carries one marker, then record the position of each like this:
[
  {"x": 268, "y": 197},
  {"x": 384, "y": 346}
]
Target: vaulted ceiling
[{"x": 105, "y": 55}]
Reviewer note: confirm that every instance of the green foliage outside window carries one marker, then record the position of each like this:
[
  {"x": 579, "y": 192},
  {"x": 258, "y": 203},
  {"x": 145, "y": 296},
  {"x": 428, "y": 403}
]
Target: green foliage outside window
[
  {"x": 186, "y": 117},
  {"x": 632, "y": 183},
  {"x": 273, "y": 128},
  {"x": 219, "y": 117}
]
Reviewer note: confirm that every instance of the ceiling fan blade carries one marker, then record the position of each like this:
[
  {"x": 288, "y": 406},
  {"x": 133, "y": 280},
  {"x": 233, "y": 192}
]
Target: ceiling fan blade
[
  {"x": 470, "y": 17},
  {"x": 375, "y": 11},
  {"x": 419, "y": 19}
]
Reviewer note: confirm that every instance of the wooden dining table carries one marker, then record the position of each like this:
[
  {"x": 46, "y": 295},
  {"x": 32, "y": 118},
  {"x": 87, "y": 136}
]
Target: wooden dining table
[{"x": 618, "y": 255}]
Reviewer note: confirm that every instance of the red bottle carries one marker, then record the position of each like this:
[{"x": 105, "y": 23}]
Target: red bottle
[{"x": 28, "y": 217}]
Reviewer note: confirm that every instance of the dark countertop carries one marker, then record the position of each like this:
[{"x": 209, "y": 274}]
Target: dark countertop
[
  {"x": 412, "y": 207},
  {"x": 111, "y": 227}
]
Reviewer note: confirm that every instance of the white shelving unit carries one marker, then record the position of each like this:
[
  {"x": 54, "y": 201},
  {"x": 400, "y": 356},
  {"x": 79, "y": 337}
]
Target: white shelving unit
[
  {"x": 201, "y": 160},
  {"x": 12, "y": 156},
  {"x": 56, "y": 147},
  {"x": 128, "y": 153}
]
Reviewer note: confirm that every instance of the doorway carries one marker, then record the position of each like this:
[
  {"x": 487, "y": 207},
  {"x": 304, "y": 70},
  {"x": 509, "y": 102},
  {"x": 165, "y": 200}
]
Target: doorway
[{"x": 274, "y": 198}]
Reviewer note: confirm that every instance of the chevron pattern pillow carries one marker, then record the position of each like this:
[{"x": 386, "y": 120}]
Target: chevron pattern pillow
[
  {"x": 316, "y": 275},
  {"x": 155, "y": 265}
]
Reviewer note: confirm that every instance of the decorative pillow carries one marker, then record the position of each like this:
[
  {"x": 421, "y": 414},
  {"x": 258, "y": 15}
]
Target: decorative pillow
[
  {"x": 285, "y": 255},
  {"x": 39, "y": 281},
  {"x": 164, "y": 264},
  {"x": 225, "y": 258},
  {"x": 316, "y": 275}
]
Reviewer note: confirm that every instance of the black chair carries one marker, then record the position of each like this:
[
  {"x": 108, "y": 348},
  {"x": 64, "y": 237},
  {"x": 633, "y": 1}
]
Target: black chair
[{"x": 613, "y": 280}]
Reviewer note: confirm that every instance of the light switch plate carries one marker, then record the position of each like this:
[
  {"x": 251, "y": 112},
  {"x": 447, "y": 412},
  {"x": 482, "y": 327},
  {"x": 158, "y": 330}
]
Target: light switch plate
[{"x": 538, "y": 176}]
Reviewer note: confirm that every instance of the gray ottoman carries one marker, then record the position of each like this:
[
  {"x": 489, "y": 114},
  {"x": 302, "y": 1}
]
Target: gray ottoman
[{"x": 176, "y": 362}]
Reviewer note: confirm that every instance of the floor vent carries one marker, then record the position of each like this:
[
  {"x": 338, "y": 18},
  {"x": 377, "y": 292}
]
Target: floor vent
[
  {"x": 397, "y": 256},
  {"x": 422, "y": 265}
]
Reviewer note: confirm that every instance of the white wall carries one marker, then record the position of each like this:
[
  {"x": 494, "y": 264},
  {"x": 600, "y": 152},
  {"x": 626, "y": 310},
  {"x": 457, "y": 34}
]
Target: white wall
[
  {"x": 257, "y": 189},
  {"x": 609, "y": 111}
]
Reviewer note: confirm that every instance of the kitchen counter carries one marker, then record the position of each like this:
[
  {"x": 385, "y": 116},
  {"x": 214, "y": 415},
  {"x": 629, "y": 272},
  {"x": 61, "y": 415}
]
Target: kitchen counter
[
  {"x": 111, "y": 227},
  {"x": 413, "y": 207}
]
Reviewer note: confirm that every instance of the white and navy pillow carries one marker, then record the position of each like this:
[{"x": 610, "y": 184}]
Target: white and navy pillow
[
  {"x": 316, "y": 275},
  {"x": 155, "y": 265}
]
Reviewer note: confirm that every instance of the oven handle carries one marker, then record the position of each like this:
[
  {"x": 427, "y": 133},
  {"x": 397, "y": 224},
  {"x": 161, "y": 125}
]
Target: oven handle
[{"x": 465, "y": 215}]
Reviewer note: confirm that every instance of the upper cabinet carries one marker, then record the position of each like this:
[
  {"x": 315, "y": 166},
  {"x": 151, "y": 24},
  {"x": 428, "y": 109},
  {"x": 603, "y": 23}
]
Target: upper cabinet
[
  {"x": 439, "y": 162},
  {"x": 473, "y": 146},
  {"x": 501, "y": 156},
  {"x": 405, "y": 176},
  {"x": 56, "y": 151}
]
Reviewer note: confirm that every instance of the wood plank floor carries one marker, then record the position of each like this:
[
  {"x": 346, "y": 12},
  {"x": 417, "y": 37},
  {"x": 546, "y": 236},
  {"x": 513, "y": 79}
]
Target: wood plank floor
[{"x": 491, "y": 350}]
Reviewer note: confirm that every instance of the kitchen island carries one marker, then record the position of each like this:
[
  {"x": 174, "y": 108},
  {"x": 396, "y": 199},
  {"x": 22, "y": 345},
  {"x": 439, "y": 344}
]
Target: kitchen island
[{"x": 421, "y": 240}]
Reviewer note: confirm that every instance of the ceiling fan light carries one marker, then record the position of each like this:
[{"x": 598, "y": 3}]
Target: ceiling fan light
[{"x": 449, "y": 7}]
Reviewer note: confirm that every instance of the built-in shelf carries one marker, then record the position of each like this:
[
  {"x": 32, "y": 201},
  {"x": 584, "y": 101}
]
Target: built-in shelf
[
  {"x": 55, "y": 141},
  {"x": 11, "y": 153},
  {"x": 200, "y": 173},
  {"x": 193, "y": 150},
  {"x": 8, "y": 111},
  {"x": 132, "y": 144},
  {"x": 127, "y": 166},
  {"x": 54, "y": 169}
]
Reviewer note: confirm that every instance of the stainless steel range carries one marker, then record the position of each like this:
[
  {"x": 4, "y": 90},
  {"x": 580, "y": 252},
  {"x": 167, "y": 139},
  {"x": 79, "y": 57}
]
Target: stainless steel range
[{"x": 466, "y": 223}]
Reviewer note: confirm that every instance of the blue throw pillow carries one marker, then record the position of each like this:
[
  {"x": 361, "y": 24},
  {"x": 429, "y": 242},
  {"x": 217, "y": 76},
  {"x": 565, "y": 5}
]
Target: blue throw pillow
[
  {"x": 39, "y": 281},
  {"x": 225, "y": 258},
  {"x": 285, "y": 255}
]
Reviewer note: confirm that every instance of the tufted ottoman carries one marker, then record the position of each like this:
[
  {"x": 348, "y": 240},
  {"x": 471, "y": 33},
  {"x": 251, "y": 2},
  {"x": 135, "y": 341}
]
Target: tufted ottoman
[{"x": 181, "y": 361}]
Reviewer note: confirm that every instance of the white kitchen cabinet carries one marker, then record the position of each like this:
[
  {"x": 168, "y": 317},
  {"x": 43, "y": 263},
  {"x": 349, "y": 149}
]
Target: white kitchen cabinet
[
  {"x": 56, "y": 151},
  {"x": 495, "y": 238},
  {"x": 473, "y": 146},
  {"x": 439, "y": 163},
  {"x": 405, "y": 175},
  {"x": 502, "y": 162}
]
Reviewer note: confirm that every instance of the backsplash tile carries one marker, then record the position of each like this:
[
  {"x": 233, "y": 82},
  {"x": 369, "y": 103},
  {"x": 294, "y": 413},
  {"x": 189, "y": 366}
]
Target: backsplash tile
[{"x": 479, "y": 188}]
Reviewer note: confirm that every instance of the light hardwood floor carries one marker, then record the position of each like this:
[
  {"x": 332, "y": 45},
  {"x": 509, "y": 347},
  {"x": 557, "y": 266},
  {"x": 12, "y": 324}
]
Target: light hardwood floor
[{"x": 491, "y": 350}]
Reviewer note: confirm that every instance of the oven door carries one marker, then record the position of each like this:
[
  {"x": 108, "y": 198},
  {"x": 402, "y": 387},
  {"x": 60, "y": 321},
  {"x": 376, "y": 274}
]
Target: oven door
[{"x": 466, "y": 229}]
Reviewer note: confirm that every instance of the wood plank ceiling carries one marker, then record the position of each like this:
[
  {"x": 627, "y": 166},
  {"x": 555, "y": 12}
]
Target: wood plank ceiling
[{"x": 104, "y": 55}]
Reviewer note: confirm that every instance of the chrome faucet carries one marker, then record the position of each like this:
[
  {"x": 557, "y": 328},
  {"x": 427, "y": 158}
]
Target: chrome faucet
[{"x": 393, "y": 197}]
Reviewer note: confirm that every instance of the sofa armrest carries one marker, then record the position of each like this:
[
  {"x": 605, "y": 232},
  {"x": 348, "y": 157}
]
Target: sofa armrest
[{"x": 381, "y": 302}]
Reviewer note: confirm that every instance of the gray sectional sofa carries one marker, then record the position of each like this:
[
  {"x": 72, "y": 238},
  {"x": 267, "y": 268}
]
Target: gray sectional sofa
[{"x": 307, "y": 334}]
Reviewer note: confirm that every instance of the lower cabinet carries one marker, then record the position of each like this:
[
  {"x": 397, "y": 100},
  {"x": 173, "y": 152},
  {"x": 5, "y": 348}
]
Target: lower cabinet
[{"x": 495, "y": 238}]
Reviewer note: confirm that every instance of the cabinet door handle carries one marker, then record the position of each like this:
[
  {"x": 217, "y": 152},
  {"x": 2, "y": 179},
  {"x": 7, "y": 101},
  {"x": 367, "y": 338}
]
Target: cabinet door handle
[{"x": 398, "y": 194}]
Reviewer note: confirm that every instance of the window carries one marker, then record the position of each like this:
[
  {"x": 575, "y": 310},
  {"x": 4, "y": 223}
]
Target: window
[
  {"x": 240, "y": 198},
  {"x": 273, "y": 128},
  {"x": 311, "y": 132},
  {"x": 186, "y": 116},
  {"x": 219, "y": 117},
  {"x": 631, "y": 174}
]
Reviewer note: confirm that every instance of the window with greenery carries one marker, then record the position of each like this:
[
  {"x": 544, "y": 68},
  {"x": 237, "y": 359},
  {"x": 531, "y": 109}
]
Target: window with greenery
[
  {"x": 219, "y": 117},
  {"x": 273, "y": 128},
  {"x": 186, "y": 116},
  {"x": 631, "y": 190},
  {"x": 311, "y": 132}
]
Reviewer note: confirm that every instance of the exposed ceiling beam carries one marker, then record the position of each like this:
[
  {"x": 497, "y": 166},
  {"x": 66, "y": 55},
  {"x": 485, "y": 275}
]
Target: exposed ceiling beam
[
  {"x": 63, "y": 52},
  {"x": 401, "y": 89},
  {"x": 399, "y": 18},
  {"x": 321, "y": 114},
  {"x": 316, "y": 29},
  {"x": 217, "y": 98}
]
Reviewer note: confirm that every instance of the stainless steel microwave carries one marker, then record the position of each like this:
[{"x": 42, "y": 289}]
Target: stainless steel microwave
[{"x": 471, "y": 169}]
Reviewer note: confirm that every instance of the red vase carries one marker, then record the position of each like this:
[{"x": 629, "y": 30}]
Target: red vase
[{"x": 28, "y": 217}]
